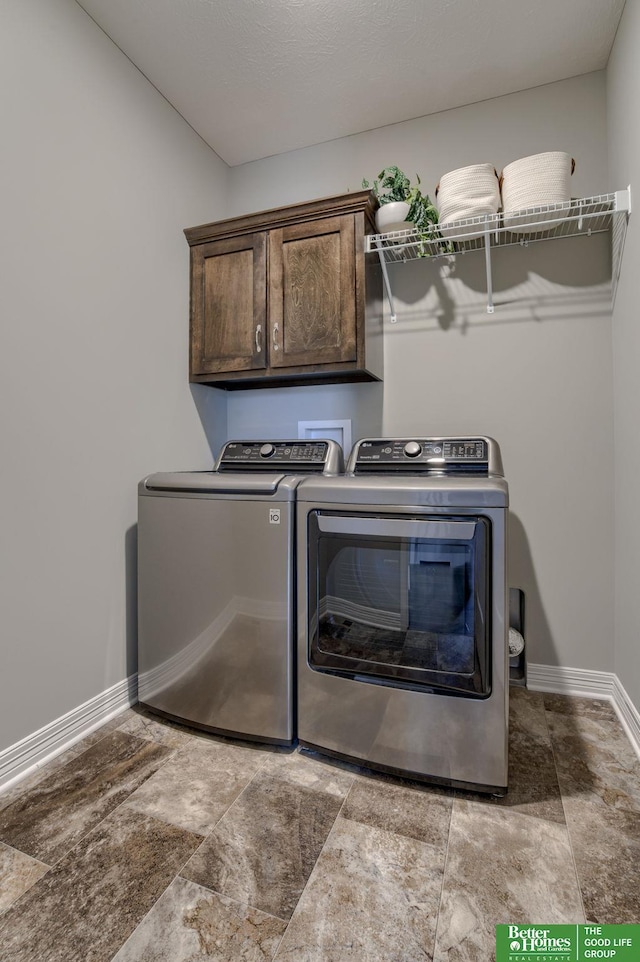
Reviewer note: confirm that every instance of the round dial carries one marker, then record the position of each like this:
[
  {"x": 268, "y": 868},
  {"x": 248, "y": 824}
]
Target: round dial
[
  {"x": 412, "y": 449},
  {"x": 267, "y": 450}
]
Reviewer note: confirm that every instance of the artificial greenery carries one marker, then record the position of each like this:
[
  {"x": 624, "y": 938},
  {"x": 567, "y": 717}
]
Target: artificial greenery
[{"x": 392, "y": 184}]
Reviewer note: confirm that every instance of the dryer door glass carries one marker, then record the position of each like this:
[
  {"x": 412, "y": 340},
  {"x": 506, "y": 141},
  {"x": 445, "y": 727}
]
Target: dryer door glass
[{"x": 401, "y": 600}]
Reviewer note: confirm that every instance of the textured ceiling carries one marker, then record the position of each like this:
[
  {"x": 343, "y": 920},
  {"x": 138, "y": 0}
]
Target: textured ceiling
[{"x": 260, "y": 77}]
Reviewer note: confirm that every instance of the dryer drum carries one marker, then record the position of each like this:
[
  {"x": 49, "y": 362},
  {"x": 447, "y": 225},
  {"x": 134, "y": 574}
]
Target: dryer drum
[{"x": 398, "y": 606}]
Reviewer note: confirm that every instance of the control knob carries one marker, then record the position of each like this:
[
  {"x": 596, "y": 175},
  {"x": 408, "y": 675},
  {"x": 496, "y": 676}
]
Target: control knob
[
  {"x": 267, "y": 450},
  {"x": 412, "y": 449}
]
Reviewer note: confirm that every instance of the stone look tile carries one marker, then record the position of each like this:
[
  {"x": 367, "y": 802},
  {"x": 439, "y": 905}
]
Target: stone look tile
[
  {"x": 532, "y": 768},
  {"x": 545, "y": 805},
  {"x": 595, "y": 759},
  {"x": 501, "y": 867},
  {"x": 228, "y": 751},
  {"x": 533, "y": 781},
  {"x": 26, "y": 784},
  {"x": 9, "y": 795},
  {"x": 192, "y": 924},
  {"x": 18, "y": 872},
  {"x": 88, "y": 904},
  {"x": 571, "y": 705},
  {"x": 404, "y": 810},
  {"x": 531, "y": 763},
  {"x": 97, "y": 735},
  {"x": 196, "y": 787},
  {"x": 263, "y": 850},
  {"x": 527, "y": 711},
  {"x": 314, "y": 772},
  {"x": 50, "y": 819},
  {"x": 155, "y": 729},
  {"x": 373, "y": 895},
  {"x": 606, "y": 846}
]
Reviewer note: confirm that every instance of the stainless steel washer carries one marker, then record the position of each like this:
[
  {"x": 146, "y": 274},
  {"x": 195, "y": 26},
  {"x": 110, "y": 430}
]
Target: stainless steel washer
[
  {"x": 216, "y": 588},
  {"x": 402, "y": 602}
]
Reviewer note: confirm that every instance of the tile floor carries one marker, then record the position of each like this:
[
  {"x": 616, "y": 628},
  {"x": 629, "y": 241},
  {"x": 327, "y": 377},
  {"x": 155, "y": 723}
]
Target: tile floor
[{"x": 147, "y": 842}]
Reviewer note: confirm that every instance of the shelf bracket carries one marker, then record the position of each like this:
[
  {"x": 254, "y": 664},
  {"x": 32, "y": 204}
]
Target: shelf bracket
[
  {"x": 618, "y": 235},
  {"x": 387, "y": 284},
  {"x": 623, "y": 200},
  {"x": 487, "y": 257}
]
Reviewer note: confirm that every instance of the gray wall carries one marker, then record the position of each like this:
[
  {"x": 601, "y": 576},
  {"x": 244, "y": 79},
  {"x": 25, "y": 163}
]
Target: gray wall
[
  {"x": 623, "y": 100},
  {"x": 537, "y": 374},
  {"x": 99, "y": 175}
]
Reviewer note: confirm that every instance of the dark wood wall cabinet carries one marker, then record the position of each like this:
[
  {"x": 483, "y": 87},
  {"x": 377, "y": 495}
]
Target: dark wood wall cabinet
[{"x": 286, "y": 296}]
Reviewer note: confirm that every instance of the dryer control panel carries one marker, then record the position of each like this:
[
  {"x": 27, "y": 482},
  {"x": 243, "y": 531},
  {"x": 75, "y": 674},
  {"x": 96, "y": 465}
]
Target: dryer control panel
[
  {"x": 452, "y": 456},
  {"x": 318, "y": 457}
]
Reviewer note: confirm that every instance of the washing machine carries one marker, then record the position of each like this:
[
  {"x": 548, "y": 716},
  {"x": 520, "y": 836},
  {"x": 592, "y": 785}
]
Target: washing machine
[
  {"x": 402, "y": 611},
  {"x": 216, "y": 568}
]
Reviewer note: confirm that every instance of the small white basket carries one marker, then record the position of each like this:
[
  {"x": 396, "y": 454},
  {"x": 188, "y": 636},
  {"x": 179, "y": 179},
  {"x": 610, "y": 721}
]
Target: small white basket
[
  {"x": 466, "y": 193},
  {"x": 540, "y": 180}
]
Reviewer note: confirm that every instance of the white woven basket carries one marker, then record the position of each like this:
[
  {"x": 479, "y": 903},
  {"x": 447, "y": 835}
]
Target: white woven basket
[
  {"x": 465, "y": 193},
  {"x": 537, "y": 181}
]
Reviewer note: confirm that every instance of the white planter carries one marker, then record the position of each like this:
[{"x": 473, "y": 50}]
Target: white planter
[{"x": 392, "y": 217}]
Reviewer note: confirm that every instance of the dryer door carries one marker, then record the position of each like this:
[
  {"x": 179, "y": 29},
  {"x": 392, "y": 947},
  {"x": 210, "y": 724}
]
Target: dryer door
[{"x": 403, "y": 600}]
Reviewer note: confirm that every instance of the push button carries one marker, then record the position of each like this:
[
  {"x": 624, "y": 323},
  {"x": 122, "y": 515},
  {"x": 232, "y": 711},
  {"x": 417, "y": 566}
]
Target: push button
[{"x": 412, "y": 449}]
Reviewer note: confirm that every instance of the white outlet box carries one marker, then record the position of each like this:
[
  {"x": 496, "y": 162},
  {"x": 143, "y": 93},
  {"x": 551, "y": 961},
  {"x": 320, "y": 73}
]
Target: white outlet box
[{"x": 339, "y": 431}]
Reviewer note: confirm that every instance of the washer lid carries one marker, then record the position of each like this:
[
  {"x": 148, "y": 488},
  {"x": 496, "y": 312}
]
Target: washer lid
[{"x": 208, "y": 482}]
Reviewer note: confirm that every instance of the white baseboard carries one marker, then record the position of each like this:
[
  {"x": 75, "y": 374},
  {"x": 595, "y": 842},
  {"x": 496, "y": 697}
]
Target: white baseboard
[
  {"x": 628, "y": 714},
  {"x": 570, "y": 681},
  {"x": 19, "y": 760},
  {"x": 589, "y": 684}
]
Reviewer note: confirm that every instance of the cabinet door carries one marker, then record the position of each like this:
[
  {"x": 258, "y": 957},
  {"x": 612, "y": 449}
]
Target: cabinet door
[
  {"x": 312, "y": 314},
  {"x": 228, "y": 305}
]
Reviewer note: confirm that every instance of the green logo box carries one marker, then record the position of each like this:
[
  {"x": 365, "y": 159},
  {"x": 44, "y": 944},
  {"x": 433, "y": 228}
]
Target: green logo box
[{"x": 567, "y": 943}]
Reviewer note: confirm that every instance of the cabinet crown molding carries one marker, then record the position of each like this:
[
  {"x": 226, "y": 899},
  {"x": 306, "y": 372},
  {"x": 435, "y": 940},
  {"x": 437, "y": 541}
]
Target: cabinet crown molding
[{"x": 360, "y": 201}]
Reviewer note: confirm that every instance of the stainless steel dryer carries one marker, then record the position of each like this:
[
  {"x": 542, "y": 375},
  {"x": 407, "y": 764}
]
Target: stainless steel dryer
[
  {"x": 402, "y": 602},
  {"x": 216, "y": 588}
]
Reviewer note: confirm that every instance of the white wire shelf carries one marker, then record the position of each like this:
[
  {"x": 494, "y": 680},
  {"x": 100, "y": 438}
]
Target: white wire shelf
[{"x": 582, "y": 216}]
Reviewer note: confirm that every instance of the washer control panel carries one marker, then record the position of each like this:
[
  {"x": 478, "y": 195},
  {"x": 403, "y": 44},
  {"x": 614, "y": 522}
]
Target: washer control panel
[
  {"x": 307, "y": 456},
  {"x": 421, "y": 455}
]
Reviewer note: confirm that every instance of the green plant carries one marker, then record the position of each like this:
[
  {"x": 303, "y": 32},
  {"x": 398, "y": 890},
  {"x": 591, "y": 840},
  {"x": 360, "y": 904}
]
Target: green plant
[
  {"x": 422, "y": 212},
  {"x": 392, "y": 184}
]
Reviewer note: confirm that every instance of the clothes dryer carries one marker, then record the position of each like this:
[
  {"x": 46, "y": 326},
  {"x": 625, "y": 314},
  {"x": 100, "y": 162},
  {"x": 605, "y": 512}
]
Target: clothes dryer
[{"x": 402, "y": 606}]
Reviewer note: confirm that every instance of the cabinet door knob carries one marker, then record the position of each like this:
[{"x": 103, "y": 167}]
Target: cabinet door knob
[
  {"x": 276, "y": 346},
  {"x": 258, "y": 339}
]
